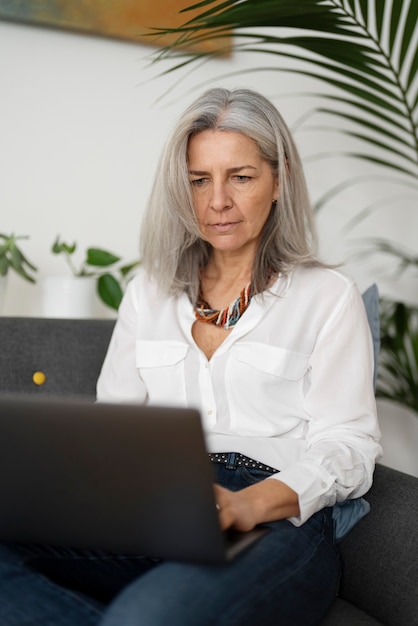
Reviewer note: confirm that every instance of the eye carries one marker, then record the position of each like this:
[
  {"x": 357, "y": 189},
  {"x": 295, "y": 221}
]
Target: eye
[
  {"x": 196, "y": 182},
  {"x": 241, "y": 178}
]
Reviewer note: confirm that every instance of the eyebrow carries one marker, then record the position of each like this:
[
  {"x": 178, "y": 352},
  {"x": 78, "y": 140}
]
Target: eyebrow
[{"x": 231, "y": 170}]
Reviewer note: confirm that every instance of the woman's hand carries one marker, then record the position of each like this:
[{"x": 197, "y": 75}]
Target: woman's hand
[{"x": 265, "y": 501}]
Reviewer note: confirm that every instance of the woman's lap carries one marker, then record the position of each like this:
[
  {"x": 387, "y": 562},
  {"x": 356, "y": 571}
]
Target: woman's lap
[{"x": 289, "y": 577}]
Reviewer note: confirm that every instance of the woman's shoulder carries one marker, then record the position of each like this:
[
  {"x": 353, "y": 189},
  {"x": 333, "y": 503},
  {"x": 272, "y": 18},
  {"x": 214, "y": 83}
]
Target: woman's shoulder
[
  {"x": 324, "y": 288},
  {"x": 322, "y": 278},
  {"x": 325, "y": 294}
]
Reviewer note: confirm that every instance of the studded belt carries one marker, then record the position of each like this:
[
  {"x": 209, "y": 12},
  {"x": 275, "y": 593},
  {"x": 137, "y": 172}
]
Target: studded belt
[{"x": 232, "y": 460}]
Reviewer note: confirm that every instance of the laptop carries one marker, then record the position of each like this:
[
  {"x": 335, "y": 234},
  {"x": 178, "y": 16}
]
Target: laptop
[{"x": 123, "y": 478}]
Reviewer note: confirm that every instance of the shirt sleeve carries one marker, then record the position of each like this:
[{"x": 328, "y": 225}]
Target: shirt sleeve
[
  {"x": 342, "y": 433},
  {"x": 119, "y": 380}
]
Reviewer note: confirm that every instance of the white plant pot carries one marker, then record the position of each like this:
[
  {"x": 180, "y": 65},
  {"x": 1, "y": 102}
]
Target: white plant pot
[
  {"x": 3, "y": 286},
  {"x": 68, "y": 296}
]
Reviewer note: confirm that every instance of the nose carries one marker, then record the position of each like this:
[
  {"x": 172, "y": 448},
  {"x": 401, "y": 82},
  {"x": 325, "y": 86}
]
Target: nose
[{"x": 220, "y": 199}]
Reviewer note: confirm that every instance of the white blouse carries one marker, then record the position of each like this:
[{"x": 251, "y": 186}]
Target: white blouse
[{"x": 291, "y": 385}]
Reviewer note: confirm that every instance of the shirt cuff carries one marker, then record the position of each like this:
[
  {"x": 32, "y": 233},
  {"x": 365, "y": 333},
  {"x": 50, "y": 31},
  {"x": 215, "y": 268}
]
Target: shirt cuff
[{"x": 315, "y": 488}]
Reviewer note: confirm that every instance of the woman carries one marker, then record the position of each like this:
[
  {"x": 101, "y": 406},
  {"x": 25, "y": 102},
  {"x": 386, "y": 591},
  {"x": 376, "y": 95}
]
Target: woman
[{"x": 233, "y": 313}]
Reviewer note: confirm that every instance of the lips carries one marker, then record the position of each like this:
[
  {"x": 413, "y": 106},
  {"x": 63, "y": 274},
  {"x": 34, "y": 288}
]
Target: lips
[{"x": 224, "y": 227}]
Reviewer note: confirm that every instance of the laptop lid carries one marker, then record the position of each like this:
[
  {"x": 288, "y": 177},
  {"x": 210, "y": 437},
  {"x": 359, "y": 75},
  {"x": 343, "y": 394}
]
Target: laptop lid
[{"x": 124, "y": 478}]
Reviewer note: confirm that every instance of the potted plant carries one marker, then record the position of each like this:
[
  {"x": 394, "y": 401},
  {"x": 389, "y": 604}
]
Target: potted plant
[
  {"x": 98, "y": 267},
  {"x": 12, "y": 258}
]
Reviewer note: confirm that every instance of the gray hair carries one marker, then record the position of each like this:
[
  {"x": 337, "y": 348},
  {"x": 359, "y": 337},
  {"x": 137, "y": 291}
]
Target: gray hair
[{"x": 172, "y": 250}]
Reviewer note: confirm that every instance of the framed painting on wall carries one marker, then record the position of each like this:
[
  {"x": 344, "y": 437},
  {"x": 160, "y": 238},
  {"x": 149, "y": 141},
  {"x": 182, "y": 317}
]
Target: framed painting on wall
[{"x": 121, "y": 19}]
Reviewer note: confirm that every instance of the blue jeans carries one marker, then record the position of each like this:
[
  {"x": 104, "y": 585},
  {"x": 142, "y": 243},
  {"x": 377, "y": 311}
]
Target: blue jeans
[{"x": 289, "y": 578}]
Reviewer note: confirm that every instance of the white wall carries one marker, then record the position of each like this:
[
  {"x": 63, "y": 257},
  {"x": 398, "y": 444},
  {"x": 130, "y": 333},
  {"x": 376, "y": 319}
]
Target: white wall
[{"x": 81, "y": 131}]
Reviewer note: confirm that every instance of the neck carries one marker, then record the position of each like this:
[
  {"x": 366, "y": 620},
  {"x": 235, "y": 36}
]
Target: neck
[{"x": 228, "y": 270}]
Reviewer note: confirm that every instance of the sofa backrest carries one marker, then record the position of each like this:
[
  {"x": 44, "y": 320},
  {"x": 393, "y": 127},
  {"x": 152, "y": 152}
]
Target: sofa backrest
[
  {"x": 380, "y": 555},
  {"x": 66, "y": 355}
]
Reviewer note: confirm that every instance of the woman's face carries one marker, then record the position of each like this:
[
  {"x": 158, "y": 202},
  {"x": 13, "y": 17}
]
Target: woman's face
[{"x": 233, "y": 189}]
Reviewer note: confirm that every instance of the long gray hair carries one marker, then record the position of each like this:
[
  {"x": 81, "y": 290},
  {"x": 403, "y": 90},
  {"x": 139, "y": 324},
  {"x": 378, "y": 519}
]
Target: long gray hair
[{"x": 172, "y": 250}]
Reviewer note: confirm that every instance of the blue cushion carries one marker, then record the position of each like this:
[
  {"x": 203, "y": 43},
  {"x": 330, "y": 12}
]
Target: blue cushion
[
  {"x": 346, "y": 514},
  {"x": 371, "y": 303}
]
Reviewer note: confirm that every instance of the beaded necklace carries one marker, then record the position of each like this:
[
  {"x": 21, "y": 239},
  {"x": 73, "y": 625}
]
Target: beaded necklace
[{"x": 226, "y": 317}]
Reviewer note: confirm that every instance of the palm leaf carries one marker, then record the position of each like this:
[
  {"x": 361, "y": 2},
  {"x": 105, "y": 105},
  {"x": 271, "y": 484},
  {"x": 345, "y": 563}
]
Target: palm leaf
[
  {"x": 412, "y": 72},
  {"x": 409, "y": 29},
  {"x": 369, "y": 54},
  {"x": 259, "y": 13},
  {"x": 394, "y": 23},
  {"x": 396, "y": 137},
  {"x": 398, "y": 124},
  {"x": 405, "y": 257}
]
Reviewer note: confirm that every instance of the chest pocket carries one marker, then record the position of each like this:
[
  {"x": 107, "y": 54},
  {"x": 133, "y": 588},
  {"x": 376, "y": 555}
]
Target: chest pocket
[
  {"x": 161, "y": 365},
  {"x": 266, "y": 390},
  {"x": 272, "y": 360}
]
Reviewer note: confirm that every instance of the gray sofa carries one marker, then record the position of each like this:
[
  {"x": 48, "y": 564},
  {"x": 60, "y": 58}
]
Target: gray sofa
[{"x": 379, "y": 557}]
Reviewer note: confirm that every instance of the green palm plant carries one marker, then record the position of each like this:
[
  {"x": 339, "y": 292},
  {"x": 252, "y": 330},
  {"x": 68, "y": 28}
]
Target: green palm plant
[{"x": 365, "y": 51}]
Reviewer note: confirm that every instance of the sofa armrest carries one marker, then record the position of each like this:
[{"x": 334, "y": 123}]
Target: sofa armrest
[{"x": 380, "y": 555}]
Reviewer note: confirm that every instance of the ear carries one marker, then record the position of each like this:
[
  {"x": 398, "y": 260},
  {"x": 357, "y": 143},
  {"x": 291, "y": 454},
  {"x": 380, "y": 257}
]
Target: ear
[{"x": 276, "y": 190}]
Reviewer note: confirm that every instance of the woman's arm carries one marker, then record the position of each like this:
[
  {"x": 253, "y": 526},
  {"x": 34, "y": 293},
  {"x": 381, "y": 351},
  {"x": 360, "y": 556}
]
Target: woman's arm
[
  {"x": 342, "y": 434},
  {"x": 119, "y": 380}
]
